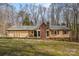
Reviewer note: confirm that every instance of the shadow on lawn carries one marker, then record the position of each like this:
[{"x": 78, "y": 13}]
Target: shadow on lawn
[{"x": 21, "y": 50}]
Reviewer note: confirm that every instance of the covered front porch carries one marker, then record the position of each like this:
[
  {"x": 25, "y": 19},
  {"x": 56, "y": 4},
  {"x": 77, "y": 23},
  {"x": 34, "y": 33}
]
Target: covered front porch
[
  {"x": 34, "y": 34},
  {"x": 37, "y": 34}
]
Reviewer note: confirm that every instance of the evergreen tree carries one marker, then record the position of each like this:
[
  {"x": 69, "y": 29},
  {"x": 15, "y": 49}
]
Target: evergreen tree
[{"x": 26, "y": 21}]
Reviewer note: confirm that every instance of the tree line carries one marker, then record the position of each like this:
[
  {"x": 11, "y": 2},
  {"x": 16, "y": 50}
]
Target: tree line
[{"x": 66, "y": 14}]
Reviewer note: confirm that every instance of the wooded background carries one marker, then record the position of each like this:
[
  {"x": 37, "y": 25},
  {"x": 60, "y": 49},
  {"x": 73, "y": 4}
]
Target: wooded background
[{"x": 30, "y": 14}]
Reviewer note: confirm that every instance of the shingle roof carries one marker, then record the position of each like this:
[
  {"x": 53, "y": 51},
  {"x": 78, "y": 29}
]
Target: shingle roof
[
  {"x": 36, "y": 27},
  {"x": 22, "y": 28},
  {"x": 55, "y": 27},
  {"x": 52, "y": 27}
]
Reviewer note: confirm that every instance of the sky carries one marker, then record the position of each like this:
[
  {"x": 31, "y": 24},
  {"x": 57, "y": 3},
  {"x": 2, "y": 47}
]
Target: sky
[{"x": 16, "y": 5}]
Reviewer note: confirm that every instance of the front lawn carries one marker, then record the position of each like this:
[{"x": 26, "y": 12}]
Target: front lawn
[{"x": 20, "y": 47}]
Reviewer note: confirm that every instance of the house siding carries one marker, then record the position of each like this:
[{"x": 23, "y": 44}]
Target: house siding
[
  {"x": 60, "y": 34},
  {"x": 43, "y": 34},
  {"x": 17, "y": 34}
]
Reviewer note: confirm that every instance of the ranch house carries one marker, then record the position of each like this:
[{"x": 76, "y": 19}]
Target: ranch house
[{"x": 39, "y": 31}]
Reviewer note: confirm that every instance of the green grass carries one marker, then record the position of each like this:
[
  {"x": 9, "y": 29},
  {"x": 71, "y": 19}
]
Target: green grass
[{"x": 20, "y": 47}]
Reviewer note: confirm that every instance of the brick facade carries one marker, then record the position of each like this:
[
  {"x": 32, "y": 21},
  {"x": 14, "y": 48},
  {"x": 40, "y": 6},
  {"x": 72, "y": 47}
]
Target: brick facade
[{"x": 43, "y": 31}]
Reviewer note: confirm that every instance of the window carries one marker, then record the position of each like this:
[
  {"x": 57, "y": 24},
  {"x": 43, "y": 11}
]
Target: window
[
  {"x": 64, "y": 32},
  {"x": 38, "y": 33},
  {"x": 35, "y": 33},
  {"x": 55, "y": 32},
  {"x": 47, "y": 33}
]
